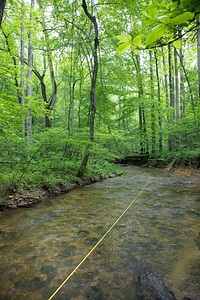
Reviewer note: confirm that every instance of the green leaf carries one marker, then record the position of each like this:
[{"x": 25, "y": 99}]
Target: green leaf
[
  {"x": 138, "y": 41},
  {"x": 144, "y": 13},
  {"x": 186, "y": 16},
  {"x": 152, "y": 10},
  {"x": 164, "y": 19},
  {"x": 177, "y": 44},
  {"x": 125, "y": 43},
  {"x": 143, "y": 3},
  {"x": 121, "y": 49},
  {"x": 124, "y": 38},
  {"x": 155, "y": 34}
]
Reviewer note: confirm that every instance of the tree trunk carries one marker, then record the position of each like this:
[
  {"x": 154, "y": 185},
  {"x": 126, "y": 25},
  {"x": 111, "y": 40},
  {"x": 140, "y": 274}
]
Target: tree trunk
[
  {"x": 198, "y": 59},
  {"x": 71, "y": 107},
  {"x": 15, "y": 63},
  {"x": 188, "y": 83},
  {"x": 92, "y": 88},
  {"x": 198, "y": 51},
  {"x": 159, "y": 104},
  {"x": 171, "y": 97},
  {"x": 30, "y": 70},
  {"x": 22, "y": 59},
  {"x": 176, "y": 73},
  {"x": 182, "y": 88},
  {"x": 2, "y": 7},
  {"x": 165, "y": 80},
  {"x": 50, "y": 103},
  {"x": 144, "y": 144},
  {"x": 153, "y": 124}
]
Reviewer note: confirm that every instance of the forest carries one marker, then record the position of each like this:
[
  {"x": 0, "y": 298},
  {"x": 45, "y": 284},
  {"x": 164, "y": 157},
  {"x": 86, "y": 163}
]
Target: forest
[{"x": 84, "y": 83}]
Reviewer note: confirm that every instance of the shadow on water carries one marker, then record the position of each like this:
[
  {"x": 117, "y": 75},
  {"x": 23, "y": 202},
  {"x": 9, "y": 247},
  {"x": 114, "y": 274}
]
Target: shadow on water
[{"x": 41, "y": 246}]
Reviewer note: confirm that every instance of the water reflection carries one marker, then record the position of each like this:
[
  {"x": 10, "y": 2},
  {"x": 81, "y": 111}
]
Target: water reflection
[{"x": 41, "y": 246}]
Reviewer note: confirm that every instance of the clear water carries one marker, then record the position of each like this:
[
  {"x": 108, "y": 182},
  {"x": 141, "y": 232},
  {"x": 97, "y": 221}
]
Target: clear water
[{"x": 41, "y": 246}]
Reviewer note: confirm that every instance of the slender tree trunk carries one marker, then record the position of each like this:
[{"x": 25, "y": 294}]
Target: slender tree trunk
[
  {"x": 50, "y": 103},
  {"x": 153, "y": 118},
  {"x": 22, "y": 59},
  {"x": 144, "y": 144},
  {"x": 159, "y": 103},
  {"x": 176, "y": 73},
  {"x": 198, "y": 60},
  {"x": 182, "y": 87},
  {"x": 80, "y": 104},
  {"x": 71, "y": 108},
  {"x": 198, "y": 51},
  {"x": 72, "y": 85},
  {"x": 188, "y": 83},
  {"x": 72, "y": 82},
  {"x": 94, "y": 71},
  {"x": 171, "y": 97},
  {"x": 2, "y": 7},
  {"x": 92, "y": 89},
  {"x": 165, "y": 80},
  {"x": 15, "y": 63},
  {"x": 30, "y": 70}
]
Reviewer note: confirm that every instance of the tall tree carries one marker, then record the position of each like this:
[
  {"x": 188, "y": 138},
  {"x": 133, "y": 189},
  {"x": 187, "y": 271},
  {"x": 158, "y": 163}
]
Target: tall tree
[
  {"x": 159, "y": 103},
  {"x": 198, "y": 49},
  {"x": 153, "y": 117},
  {"x": 93, "y": 86},
  {"x": 30, "y": 71},
  {"x": 22, "y": 61}
]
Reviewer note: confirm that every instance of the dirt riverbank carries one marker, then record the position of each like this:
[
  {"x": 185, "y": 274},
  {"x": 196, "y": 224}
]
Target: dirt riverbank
[
  {"x": 28, "y": 199},
  {"x": 186, "y": 172}
]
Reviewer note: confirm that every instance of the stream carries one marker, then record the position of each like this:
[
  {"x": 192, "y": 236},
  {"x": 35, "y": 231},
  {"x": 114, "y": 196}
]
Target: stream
[{"x": 41, "y": 246}]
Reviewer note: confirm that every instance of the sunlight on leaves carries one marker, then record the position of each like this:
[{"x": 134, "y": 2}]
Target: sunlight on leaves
[
  {"x": 152, "y": 10},
  {"x": 124, "y": 38},
  {"x": 177, "y": 44},
  {"x": 156, "y": 34},
  {"x": 125, "y": 43},
  {"x": 186, "y": 16},
  {"x": 164, "y": 19},
  {"x": 138, "y": 41}
]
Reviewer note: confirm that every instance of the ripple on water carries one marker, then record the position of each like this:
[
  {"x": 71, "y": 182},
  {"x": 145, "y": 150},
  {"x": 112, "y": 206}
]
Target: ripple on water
[{"x": 158, "y": 233}]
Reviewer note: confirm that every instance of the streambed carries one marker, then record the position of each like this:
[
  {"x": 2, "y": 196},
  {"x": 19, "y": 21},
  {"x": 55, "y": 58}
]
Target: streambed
[{"x": 41, "y": 246}]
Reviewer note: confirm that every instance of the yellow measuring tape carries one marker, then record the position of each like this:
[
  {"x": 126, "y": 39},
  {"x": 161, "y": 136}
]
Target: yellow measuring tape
[{"x": 84, "y": 259}]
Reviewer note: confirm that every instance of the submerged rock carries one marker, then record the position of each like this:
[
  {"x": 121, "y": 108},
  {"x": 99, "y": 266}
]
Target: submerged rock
[{"x": 152, "y": 287}]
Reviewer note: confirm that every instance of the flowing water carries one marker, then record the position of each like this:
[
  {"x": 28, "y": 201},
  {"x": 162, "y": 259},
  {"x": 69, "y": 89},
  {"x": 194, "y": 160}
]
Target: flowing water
[{"x": 41, "y": 246}]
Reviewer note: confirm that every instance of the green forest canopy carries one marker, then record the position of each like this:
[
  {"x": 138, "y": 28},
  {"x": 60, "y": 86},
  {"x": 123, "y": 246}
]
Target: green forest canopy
[{"x": 85, "y": 82}]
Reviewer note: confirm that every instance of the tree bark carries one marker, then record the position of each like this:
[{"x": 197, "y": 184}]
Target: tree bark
[
  {"x": 153, "y": 123},
  {"x": 144, "y": 143},
  {"x": 22, "y": 74},
  {"x": 171, "y": 138},
  {"x": 165, "y": 80},
  {"x": 30, "y": 70},
  {"x": 94, "y": 71},
  {"x": 50, "y": 103},
  {"x": 159, "y": 103},
  {"x": 2, "y": 7},
  {"x": 182, "y": 88},
  {"x": 92, "y": 88},
  {"x": 198, "y": 51},
  {"x": 176, "y": 73}
]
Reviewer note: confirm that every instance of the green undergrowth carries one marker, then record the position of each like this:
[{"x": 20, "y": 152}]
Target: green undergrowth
[
  {"x": 50, "y": 162},
  {"x": 183, "y": 158},
  {"x": 48, "y": 177}
]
